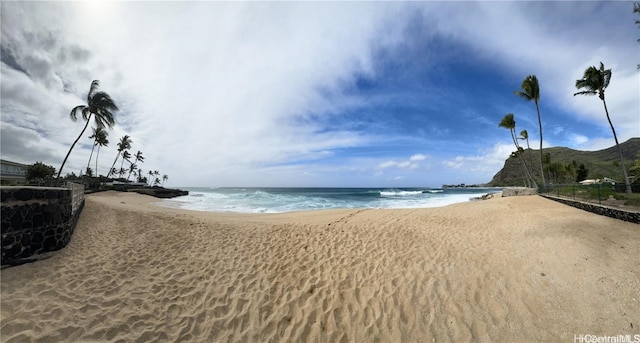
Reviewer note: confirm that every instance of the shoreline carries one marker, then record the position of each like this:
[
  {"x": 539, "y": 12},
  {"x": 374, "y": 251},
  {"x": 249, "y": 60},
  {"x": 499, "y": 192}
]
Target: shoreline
[
  {"x": 516, "y": 268},
  {"x": 303, "y": 199}
]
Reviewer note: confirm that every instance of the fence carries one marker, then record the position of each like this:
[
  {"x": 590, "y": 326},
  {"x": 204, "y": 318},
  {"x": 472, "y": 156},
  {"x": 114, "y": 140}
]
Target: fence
[
  {"x": 594, "y": 193},
  {"x": 77, "y": 195}
]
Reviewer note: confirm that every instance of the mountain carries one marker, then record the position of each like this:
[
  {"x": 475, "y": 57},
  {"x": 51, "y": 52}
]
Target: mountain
[{"x": 600, "y": 164}]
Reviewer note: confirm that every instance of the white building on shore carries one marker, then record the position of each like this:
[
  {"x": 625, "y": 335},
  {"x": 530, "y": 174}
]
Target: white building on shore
[{"x": 12, "y": 173}]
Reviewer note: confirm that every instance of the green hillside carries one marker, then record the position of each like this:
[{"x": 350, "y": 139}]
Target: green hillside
[{"x": 600, "y": 164}]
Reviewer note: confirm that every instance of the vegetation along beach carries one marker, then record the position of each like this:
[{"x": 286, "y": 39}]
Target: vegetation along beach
[{"x": 320, "y": 171}]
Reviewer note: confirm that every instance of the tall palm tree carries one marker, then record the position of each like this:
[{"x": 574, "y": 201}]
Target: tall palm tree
[
  {"x": 138, "y": 157},
  {"x": 98, "y": 134},
  {"x": 595, "y": 81},
  {"x": 125, "y": 157},
  {"x": 508, "y": 122},
  {"x": 157, "y": 180},
  {"x": 124, "y": 144},
  {"x": 525, "y": 135},
  {"x": 165, "y": 177},
  {"x": 100, "y": 141},
  {"x": 515, "y": 155},
  {"x": 531, "y": 91},
  {"x": 100, "y": 106}
]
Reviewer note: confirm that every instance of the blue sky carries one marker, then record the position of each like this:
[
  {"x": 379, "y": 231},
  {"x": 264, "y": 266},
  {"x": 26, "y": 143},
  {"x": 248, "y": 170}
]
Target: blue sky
[{"x": 314, "y": 94}]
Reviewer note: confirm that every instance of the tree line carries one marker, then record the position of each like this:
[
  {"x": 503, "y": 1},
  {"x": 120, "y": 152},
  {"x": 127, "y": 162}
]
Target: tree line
[
  {"x": 101, "y": 108},
  {"x": 593, "y": 82}
]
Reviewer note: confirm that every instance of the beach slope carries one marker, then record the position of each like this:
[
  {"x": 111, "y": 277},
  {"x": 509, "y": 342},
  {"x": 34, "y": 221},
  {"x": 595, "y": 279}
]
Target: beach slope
[{"x": 505, "y": 269}]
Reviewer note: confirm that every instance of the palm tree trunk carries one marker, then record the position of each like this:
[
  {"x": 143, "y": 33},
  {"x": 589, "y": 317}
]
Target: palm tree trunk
[
  {"x": 91, "y": 155},
  {"x": 515, "y": 142},
  {"x": 130, "y": 170},
  {"x": 530, "y": 159},
  {"x": 615, "y": 137},
  {"x": 114, "y": 163},
  {"x": 97, "y": 155},
  {"x": 544, "y": 183},
  {"x": 73, "y": 145}
]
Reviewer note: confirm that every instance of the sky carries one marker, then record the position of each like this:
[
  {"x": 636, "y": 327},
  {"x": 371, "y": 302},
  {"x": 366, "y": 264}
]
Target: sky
[{"x": 313, "y": 94}]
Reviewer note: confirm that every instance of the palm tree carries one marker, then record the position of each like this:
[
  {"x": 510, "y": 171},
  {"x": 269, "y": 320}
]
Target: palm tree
[
  {"x": 132, "y": 170},
  {"x": 98, "y": 134},
  {"x": 101, "y": 106},
  {"x": 531, "y": 91},
  {"x": 525, "y": 135},
  {"x": 124, "y": 144},
  {"x": 165, "y": 177},
  {"x": 125, "y": 157},
  {"x": 508, "y": 122},
  {"x": 515, "y": 155},
  {"x": 595, "y": 81},
  {"x": 140, "y": 158},
  {"x": 100, "y": 141}
]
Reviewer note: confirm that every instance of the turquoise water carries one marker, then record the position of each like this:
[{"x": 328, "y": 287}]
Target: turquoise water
[{"x": 277, "y": 200}]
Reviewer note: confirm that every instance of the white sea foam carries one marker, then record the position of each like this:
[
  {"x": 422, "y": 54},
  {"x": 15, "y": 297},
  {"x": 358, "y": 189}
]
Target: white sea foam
[{"x": 276, "y": 200}]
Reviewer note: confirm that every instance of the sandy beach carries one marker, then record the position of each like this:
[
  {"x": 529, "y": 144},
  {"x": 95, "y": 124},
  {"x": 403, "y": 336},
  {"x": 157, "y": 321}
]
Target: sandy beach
[{"x": 506, "y": 269}]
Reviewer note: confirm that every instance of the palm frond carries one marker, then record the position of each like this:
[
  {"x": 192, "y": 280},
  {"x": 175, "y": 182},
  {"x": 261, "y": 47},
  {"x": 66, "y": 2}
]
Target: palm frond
[
  {"x": 104, "y": 118},
  {"x": 103, "y": 100},
  {"x": 508, "y": 122},
  {"x": 74, "y": 112},
  {"x": 95, "y": 84},
  {"x": 586, "y": 93},
  {"x": 522, "y": 95}
]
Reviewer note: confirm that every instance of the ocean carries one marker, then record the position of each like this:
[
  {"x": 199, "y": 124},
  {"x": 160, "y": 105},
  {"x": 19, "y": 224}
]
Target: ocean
[{"x": 278, "y": 200}]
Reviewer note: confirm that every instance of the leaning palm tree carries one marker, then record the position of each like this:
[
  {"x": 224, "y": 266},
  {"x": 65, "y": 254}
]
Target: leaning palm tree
[
  {"x": 99, "y": 135},
  {"x": 100, "y": 142},
  {"x": 138, "y": 157},
  {"x": 124, "y": 144},
  {"x": 132, "y": 170},
  {"x": 508, "y": 122},
  {"x": 525, "y": 136},
  {"x": 125, "y": 157},
  {"x": 595, "y": 81},
  {"x": 100, "y": 106},
  {"x": 531, "y": 91}
]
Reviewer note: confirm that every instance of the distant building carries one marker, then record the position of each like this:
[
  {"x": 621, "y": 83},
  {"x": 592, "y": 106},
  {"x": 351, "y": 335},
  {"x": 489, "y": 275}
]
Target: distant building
[
  {"x": 12, "y": 173},
  {"x": 597, "y": 181}
]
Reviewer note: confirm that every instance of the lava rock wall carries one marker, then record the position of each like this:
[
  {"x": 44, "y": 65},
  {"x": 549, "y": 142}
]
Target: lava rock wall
[
  {"x": 633, "y": 217},
  {"x": 36, "y": 220}
]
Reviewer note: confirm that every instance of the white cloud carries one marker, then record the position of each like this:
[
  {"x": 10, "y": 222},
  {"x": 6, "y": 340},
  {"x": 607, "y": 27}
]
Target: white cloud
[
  {"x": 417, "y": 157},
  {"x": 387, "y": 164},
  {"x": 527, "y": 47},
  {"x": 578, "y": 140},
  {"x": 219, "y": 93},
  {"x": 483, "y": 165},
  {"x": 204, "y": 88}
]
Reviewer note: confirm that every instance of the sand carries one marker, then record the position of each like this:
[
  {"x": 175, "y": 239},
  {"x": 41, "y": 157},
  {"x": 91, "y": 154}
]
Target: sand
[{"x": 505, "y": 269}]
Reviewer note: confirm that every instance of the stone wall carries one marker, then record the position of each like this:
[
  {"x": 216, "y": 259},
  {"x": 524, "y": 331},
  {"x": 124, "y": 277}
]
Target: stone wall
[
  {"x": 629, "y": 216},
  {"x": 518, "y": 191},
  {"x": 37, "y": 220}
]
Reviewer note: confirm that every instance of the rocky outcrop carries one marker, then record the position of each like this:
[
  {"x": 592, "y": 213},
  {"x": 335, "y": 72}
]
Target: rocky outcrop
[{"x": 159, "y": 192}]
